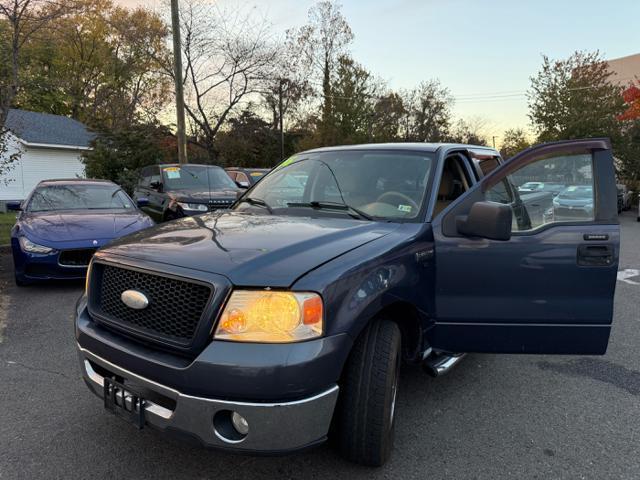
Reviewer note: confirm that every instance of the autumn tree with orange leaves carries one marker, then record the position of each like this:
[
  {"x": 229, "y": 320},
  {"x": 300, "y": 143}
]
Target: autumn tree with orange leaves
[
  {"x": 631, "y": 97},
  {"x": 628, "y": 152}
]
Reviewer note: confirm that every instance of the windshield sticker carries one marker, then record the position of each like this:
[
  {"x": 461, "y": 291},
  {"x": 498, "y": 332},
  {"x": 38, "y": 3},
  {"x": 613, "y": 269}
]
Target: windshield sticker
[
  {"x": 405, "y": 208},
  {"x": 172, "y": 172},
  {"x": 288, "y": 161},
  {"x": 256, "y": 174}
]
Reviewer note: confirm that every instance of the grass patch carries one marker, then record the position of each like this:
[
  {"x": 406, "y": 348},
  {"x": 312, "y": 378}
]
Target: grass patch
[{"x": 6, "y": 222}]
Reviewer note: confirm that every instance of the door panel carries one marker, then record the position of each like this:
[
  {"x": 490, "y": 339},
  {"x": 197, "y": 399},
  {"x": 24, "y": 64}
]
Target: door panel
[{"x": 549, "y": 289}]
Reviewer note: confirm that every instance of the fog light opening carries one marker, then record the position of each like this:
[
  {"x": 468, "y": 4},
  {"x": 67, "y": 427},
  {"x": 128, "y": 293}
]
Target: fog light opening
[{"x": 230, "y": 426}]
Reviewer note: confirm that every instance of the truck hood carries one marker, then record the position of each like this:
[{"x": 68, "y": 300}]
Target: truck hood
[
  {"x": 80, "y": 225},
  {"x": 251, "y": 250}
]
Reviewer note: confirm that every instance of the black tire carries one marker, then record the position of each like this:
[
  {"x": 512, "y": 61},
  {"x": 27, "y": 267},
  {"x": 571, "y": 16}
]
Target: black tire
[{"x": 364, "y": 427}]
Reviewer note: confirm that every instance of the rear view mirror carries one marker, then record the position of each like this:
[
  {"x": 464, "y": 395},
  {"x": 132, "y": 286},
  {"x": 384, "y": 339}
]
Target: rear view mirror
[
  {"x": 486, "y": 220},
  {"x": 14, "y": 206},
  {"x": 142, "y": 202}
]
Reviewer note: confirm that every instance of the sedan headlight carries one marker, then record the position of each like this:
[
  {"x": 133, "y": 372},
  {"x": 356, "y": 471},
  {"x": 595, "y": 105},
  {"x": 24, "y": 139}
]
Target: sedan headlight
[
  {"x": 199, "y": 207},
  {"x": 30, "y": 247},
  {"x": 271, "y": 317}
]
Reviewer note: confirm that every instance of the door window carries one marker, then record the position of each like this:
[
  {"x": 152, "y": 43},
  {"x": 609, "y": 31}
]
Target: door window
[
  {"x": 154, "y": 175},
  {"x": 143, "y": 181},
  {"x": 556, "y": 188},
  {"x": 453, "y": 183},
  {"x": 242, "y": 178}
]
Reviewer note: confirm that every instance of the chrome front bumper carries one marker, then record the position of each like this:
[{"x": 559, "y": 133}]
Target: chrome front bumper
[{"x": 273, "y": 427}]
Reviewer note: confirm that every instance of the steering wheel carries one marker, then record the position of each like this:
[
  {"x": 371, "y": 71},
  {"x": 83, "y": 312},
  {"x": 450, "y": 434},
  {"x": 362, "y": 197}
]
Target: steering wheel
[{"x": 392, "y": 193}]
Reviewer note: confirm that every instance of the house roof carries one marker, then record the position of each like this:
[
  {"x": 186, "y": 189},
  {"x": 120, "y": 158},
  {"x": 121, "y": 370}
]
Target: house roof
[{"x": 48, "y": 129}]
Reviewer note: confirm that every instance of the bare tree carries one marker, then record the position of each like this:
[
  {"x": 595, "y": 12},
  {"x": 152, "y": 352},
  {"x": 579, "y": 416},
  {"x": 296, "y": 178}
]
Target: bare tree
[
  {"x": 290, "y": 86},
  {"x": 228, "y": 57},
  {"x": 323, "y": 40}
]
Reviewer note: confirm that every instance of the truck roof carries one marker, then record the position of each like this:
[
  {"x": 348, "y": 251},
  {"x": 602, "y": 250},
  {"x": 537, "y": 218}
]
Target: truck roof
[{"x": 416, "y": 146}]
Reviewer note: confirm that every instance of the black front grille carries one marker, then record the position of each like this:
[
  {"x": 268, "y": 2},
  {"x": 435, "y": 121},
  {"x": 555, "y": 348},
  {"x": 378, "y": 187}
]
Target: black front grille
[
  {"x": 174, "y": 310},
  {"x": 220, "y": 204},
  {"x": 76, "y": 258}
]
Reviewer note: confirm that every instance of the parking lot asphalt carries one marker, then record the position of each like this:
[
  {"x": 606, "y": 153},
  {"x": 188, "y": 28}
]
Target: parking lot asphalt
[{"x": 492, "y": 417}]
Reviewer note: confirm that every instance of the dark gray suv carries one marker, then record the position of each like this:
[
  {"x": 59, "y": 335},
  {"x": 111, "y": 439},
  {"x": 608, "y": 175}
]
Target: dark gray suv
[{"x": 167, "y": 192}]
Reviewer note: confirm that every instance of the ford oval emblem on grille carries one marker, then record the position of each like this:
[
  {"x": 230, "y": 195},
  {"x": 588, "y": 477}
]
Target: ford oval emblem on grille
[{"x": 134, "y": 299}]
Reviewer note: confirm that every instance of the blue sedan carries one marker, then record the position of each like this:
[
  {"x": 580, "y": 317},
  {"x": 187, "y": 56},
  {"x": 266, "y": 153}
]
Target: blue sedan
[{"x": 63, "y": 222}]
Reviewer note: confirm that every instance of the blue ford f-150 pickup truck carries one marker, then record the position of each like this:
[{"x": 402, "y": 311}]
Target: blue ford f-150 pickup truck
[{"x": 284, "y": 321}]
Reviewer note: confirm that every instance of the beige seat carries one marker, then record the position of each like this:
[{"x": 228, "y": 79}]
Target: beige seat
[{"x": 444, "y": 192}]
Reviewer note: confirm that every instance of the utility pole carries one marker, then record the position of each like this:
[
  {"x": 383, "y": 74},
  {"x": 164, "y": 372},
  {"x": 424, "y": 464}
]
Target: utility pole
[
  {"x": 177, "y": 68},
  {"x": 281, "y": 119},
  {"x": 494, "y": 141}
]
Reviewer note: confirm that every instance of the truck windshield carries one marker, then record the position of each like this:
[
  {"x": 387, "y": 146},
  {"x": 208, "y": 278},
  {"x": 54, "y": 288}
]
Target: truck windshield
[
  {"x": 78, "y": 197},
  {"x": 197, "y": 177},
  {"x": 380, "y": 185}
]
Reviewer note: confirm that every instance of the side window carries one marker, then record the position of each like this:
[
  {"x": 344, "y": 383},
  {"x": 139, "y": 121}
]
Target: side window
[
  {"x": 232, "y": 174},
  {"x": 488, "y": 165},
  {"x": 550, "y": 190},
  {"x": 453, "y": 183},
  {"x": 154, "y": 175},
  {"x": 242, "y": 178},
  {"x": 143, "y": 180}
]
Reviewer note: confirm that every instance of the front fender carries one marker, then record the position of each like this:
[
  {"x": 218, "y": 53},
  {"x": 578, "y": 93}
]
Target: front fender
[{"x": 361, "y": 283}]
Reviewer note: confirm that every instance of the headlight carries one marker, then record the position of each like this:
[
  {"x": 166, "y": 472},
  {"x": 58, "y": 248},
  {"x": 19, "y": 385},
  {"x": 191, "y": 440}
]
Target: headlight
[
  {"x": 271, "y": 317},
  {"x": 28, "y": 246},
  {"x": 200, "y": 207}
]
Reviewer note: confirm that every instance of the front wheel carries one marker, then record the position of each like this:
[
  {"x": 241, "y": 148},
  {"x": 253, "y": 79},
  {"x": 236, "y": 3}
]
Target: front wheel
[{"x": 366, "y": 407}]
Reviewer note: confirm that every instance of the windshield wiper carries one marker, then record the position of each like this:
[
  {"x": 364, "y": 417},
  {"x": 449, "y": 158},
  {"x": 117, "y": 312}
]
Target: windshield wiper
[
  {"x": 332, "y": 205},
  {"x": 257, "y": 201}
]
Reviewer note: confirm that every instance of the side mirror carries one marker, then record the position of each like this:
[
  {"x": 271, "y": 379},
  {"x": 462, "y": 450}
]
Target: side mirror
[
  {"x": 487, "y": 220},
  {"x": 14, "y": 206},
  {"x": 243, "y": 184},
  {"x": 157, "y": 186},
  {"x": 142, "y": 202}
]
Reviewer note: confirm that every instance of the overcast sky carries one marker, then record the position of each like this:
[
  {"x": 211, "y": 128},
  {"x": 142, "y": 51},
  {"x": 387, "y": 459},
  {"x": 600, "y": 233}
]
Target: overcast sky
[{"x": 483, "y": 51}]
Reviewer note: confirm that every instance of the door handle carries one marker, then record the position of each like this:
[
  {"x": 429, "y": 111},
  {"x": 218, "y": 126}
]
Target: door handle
[{"x": 595, "y": 255}]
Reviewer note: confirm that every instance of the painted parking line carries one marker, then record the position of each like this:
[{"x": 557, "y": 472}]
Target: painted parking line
[{"x": 627, "y": 274}]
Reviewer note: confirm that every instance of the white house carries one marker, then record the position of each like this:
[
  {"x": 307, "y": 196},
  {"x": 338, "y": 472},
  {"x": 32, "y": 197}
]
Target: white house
[{"x": 51, "y": 147}]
